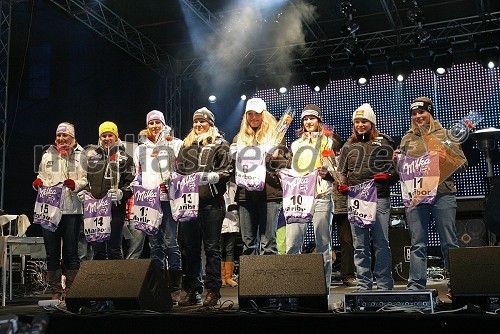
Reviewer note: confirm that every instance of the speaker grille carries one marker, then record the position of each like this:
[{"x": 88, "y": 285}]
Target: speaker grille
[
  {"x": 131, "y": 285},
  {"x": 471, "y": 233},
  {"x": 294, "y": 281}
]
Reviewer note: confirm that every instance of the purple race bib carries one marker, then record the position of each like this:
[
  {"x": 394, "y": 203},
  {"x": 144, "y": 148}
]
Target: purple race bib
[
  {"x": 146, "y": 211},
  {"x": 362, "y": 204},
  {"x": 96, "y": 218},
  {"x": 48, "y": 204},
  {"x": 184, "y": 196},
  {"x": 299, "y": 193}
]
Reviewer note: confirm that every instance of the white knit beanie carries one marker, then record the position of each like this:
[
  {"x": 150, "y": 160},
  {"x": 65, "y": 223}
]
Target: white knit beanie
[{"x": 365, "y": 111}]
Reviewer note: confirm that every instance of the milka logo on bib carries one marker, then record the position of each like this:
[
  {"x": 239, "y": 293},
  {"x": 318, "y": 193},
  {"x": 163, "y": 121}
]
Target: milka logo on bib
[
  {"x": 188, "y": 182},
  {"x": 100, "y": 207},
  {"x": 48, "y": 195},
  {"x": 418, "y": 165},
  {"x": 300, "y": 183},
  {"x": 363, "y": 189},
  {"x": 46, "y": 192},
  {"x": 146, "y": 196}
]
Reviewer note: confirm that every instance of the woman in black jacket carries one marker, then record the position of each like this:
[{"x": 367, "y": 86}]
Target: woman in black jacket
[
  {"x": 206, "y": 152},
  {"x": 109, "y": 172}
]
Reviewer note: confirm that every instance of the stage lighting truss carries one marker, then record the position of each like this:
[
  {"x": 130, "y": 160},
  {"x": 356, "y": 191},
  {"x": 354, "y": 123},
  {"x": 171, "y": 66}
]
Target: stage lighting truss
[
  {"x": 400, "y": 68},
  {"x": 441, "y": 62},
  {"x": 318, "y": 80},
  {"x": 488, "y": 57}
]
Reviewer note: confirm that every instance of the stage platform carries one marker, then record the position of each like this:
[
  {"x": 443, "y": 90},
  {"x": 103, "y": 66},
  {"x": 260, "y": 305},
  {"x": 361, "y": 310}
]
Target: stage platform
[{"x": 227, "y": 317}]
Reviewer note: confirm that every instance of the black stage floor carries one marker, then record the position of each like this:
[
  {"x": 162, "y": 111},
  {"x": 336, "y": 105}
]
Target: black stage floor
[{"x": 227, "y": 317}]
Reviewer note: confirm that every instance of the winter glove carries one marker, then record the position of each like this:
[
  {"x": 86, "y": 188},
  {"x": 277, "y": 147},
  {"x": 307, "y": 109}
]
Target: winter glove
[
  {"x": 81, "y": 196},
  {"x": 381, "y": 177},
  {"x": 203, "y": 180},
  {"x": 163, "y": 188},
  {"x": 343, "y": 189},
  {"x": 137, "y": 181},
  {"x": 212, "y": 178},
  {"x": 70, "y": 184},
  {"x": 37, "y": 183},
  {"x": 322, "y": 172},
  {"x": 115, "y": 194}
]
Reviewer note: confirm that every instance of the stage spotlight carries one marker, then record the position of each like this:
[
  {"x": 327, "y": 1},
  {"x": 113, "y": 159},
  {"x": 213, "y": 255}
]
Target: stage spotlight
[
  {"x": 421, "y": 36},
  {"x": 318, "y": 80},
  {"x": 415, "y": 15},
  {"x": 212, "y": 99},
  {"x": 346, "y": 8},
  {"x": 400, "y": 68},
  {"x": 282, "y": 90},
  {"x": 243, "y": 97},
  {"x": 488, "y": 57},
  {"x": 441, "y": 63},
  {"x": 349, "y": 27},
  {"x": 361, "y": 74}
]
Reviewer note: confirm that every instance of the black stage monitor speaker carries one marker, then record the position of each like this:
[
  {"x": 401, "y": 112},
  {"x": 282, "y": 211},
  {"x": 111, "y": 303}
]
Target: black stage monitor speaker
[
  {"x": 130, "y": 284},
  {"x": 474, "y": 276},
  {"x": 291, "y": 281}
]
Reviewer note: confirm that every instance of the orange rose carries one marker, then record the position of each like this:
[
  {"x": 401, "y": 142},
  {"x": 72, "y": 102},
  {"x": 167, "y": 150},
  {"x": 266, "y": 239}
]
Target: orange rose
[{"x": 327, "y": 153}]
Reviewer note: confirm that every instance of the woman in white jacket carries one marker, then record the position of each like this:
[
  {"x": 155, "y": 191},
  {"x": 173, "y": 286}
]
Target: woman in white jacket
[
  {"x": 307, "y": 156},
  {"x": 63, "y": 162},
  {"x": 154, "y": 161}
]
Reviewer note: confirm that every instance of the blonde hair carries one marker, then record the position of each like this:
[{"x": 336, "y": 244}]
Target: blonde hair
[
  {"x": 212, "y": 133},
  {"x": 248, "y": 136}
]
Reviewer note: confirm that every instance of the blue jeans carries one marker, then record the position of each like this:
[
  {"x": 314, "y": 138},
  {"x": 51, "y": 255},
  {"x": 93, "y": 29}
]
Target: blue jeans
[
  {"x": 165, "y": 250},
  {"x": 112, "y": 248},
  {"x": 207, "y": 229},
  {"x": 135, "y": 243},
  {"x": 322, "y": 222},
  {"x": 258, "y": 222},
  {"x": 68, "y": 230},
  {"x": 379, "y": 235},
  {"x": 443, "y": 211}
]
